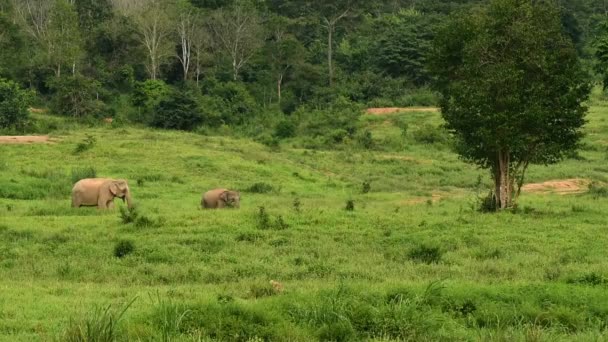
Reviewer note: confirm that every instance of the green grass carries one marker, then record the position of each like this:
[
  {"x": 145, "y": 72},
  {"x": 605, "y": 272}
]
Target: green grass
[{"x": 412, "y": 262}]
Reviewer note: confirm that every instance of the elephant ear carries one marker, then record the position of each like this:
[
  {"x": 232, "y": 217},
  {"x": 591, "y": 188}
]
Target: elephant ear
[
  {"x": 114, "y": 188},
  {"x": 224, "y": 196}
]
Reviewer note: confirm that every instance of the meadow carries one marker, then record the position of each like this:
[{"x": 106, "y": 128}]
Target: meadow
[{"x": 384, "y": 244}]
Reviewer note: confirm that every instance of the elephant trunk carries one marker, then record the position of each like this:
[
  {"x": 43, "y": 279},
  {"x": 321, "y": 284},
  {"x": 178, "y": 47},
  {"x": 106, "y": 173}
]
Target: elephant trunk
[{"x": 129, "y": 200}]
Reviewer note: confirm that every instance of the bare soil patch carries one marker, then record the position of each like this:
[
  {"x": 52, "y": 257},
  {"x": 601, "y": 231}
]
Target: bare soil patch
[
  {"x": 25, "y": 139},
  {"x": 392, "y": 110},
  {"x": 560, "y": 186},
  {"x": 37, "y": 110}
]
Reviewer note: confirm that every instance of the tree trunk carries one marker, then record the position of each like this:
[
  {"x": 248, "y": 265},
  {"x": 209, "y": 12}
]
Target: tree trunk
[
  {"x": 235, "y": 70},
  {"x": 503, "y": 182},
  {"x": 330, "y": 29},
  {"x": 279, "y": 82}
]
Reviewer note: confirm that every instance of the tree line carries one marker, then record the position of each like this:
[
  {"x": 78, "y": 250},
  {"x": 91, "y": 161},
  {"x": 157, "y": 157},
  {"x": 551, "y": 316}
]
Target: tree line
[{"x": 233, "y": 61}]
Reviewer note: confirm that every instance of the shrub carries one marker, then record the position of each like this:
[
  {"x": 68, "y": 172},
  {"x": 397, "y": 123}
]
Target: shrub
[
  {"x": 82, "y": 173},
  {"x": 425, "y": 254},
  {"x": 76, "y": 96},
  {"x": 597, "y": 190},
  {"x": 147, "y": 95},
  {"x": 86, "y": 144},
  {"x": 429, "y": 134},
  {"x": 13, "y": 105},
  {"x": 366, "y": 187},
  {"x": 179, "y": 110},
  {"x": 297, "y": 205},
  {"x": 365, "y": 140},
  {"x": 333, "y": 124},
  {"x": 350, "y": 205},
  {"x": 123, "y": 248},
  {"x": 285, "y": 129},
  {"x": 102, "y": 326},
  {"x": 232, "y": 100},
  {"x": 260, "y": 188}
]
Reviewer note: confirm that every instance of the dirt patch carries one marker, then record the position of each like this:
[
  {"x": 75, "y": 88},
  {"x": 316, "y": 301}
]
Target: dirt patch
[
  {"x": 37, "y": 110},
  {"x": 561, "y": 186},
  {"x": 392, "y": 110},
  {"x": 25, "y": 139}
]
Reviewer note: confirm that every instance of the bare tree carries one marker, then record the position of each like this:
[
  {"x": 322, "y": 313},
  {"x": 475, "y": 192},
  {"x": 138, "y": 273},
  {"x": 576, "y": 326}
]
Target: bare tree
[
  {"x": 238, "y": 33},
  {"x": 54, "y": 27},
  {"x": 35, "y": 16},
  {"x": 153, "y": 22},
  {"x": 201, "y": 42},
  {"x": 283, "y": 49},
  {"x": 330, "y": 24},
  {"x": 186, "y": 31}
]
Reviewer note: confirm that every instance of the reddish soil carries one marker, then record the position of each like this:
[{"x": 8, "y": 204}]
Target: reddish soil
[
  {"x": 37, "y": 110},
  {"x": 29, "y": 139},
  {"x": 560, "y": 186},
  {"x": 391, "y": 110}
]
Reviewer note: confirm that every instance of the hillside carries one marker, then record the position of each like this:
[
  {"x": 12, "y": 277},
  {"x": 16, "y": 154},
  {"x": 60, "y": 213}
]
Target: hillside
[{"x": 412, "y": 261}]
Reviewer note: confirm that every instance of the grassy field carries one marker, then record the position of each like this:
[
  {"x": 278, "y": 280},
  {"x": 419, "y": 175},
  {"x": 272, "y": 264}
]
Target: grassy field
[{"x": 412, "y": 262}]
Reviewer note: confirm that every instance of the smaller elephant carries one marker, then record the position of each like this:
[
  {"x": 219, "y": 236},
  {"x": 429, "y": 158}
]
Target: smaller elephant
[
  {"x": 100, "y": 192},
  {"x": 221, "y": 198}
]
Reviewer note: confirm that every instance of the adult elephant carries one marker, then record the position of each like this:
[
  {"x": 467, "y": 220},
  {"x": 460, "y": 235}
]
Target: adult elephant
[
  {"x": 221, "y": 198},
  {"x": 100, "y": 192}
]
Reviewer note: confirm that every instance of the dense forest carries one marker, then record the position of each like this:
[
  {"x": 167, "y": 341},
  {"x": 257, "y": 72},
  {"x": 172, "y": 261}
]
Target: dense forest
[{"x": 267, "y": 68}]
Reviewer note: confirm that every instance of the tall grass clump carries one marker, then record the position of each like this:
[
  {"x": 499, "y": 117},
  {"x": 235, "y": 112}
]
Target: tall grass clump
[
  {"x": 101, "y": 325},
  {"x": 82, "y": 173},
  {"x": 168, "y": 317}
]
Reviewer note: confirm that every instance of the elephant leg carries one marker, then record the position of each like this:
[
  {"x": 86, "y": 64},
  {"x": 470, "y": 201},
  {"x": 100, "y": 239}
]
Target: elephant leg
[{"x": 110, "y": 205}]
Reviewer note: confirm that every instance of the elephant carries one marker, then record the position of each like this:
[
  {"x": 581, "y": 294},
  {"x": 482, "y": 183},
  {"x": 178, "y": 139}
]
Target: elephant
[
  {"x": 221, "y": 198},
  {"x": 100, "y": 192}
]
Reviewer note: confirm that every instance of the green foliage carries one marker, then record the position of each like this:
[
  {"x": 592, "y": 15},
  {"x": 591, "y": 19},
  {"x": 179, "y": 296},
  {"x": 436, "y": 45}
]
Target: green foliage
[
  {"x": 87, "y": 144},
  {"x": 82, "y": 173},
  {"x": 332, "y": 125},
  {"x": 102, "y": 325},
  {"x": 429, "y": 134},
  {"x": 123, "y": 248},
  {"x": 178, "y": 110},
  {"x": 495, "y": 74},
  {"x": 76, "y": 96},
  {"x": 260, "y": 188},
  {"x": 13, "y": 106},
  {"x": 231, "y": 100},
  {"x": 147, "y": 95},
  {"x": 426, "y": 254},
  {"x": 285, "y": 129}
]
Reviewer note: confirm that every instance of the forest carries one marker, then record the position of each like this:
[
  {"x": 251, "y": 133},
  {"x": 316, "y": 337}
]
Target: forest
[{"x": 265, "y": 69}]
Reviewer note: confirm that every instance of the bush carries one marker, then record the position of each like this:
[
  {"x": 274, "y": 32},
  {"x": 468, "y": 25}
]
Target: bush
[
  {"x": 86, "y": 144},
  {"x": 260, "y": 188},
  {"x": 102, "y": 326},
  {"x": 231, "y": 100},
  {"x": 597, "y": 190},
  {"x": 425, "y": 254},
  {"x": 13, "y": 105},
  {"x": 123, "y": 248},
  {"x": 147, "y": 95},
  {"x": 332, "y": 125},
  {"x": 365, "y": 140},
  {"x": 285, "y": 129},
  {"x": 179, "y": 110},
  {"x": 429, "y": 134},
  {"x": 76, "y": 96}
]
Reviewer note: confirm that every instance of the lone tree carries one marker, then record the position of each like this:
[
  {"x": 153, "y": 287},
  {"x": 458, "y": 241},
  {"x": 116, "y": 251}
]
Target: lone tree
[{"x": 512, "y": 89}]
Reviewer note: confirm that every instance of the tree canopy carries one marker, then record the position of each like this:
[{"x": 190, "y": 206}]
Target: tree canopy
[{"x": 512, "y": 88}]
